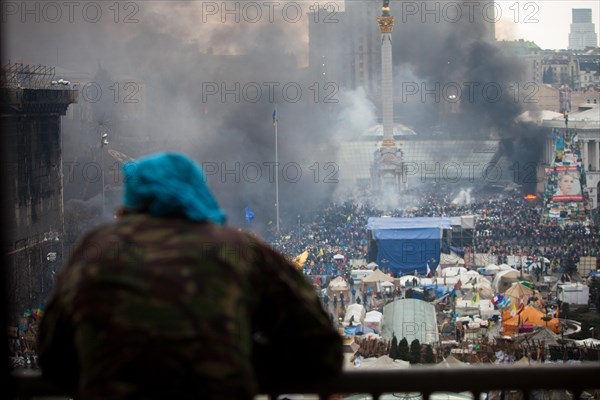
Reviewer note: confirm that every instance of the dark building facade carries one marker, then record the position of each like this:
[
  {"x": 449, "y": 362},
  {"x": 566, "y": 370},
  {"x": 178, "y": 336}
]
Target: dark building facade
[{"x": 31, "y": 125}]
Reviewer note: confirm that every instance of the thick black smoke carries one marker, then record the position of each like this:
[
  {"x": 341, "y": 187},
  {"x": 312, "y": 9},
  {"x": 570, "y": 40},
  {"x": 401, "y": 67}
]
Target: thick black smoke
[
  {"x": 175, "y": 53},
  {"x": 493, "y": 90}
]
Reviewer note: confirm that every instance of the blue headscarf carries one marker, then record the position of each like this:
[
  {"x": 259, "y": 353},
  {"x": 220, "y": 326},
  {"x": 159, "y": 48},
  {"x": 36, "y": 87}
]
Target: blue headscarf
[{"x": 170, "y": 184}]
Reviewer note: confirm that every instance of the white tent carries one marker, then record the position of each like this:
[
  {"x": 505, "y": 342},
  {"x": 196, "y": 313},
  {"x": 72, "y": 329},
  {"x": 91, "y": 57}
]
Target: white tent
[
  {"x": 357, "y": 311},
  {"x": 504, "y": 279},
  {"x": 375, "y": 279},
  {"x": 372, "y": 265},
  {"x": 383, "y": 362},
  {"x": 483, "y": 285},
  {"x": 378, "y": 276},
  {"x": 485, "y": 289},
  {"x": 490, "y": 269},
  {"x": 374, "y": 320},
  {"x": 339, "y": 285}
]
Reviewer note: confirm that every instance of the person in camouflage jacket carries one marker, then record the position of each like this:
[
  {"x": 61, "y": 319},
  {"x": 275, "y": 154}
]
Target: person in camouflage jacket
[{"x": 167, "y": 303}]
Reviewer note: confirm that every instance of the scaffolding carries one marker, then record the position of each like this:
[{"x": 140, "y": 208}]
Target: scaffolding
[{"x": 25, "y": 76}]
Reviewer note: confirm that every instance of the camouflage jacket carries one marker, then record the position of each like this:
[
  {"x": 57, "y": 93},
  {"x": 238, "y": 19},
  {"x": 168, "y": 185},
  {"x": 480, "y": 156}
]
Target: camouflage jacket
[{"x": 169, "y": 308}]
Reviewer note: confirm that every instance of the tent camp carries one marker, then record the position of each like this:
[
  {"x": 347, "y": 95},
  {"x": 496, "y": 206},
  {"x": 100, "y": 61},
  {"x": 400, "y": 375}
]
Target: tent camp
[
  {"x": 526, "y": 320},
  {"x": 520, "y": 291}
]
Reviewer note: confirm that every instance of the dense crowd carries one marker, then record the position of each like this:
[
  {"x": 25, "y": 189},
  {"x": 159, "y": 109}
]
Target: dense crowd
[{"x": 505, "y": 225}]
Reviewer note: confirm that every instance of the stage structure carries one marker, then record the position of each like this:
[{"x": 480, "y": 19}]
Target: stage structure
[
  {"x": 387, "y": 170},
  {"x": 403, "y": 245}
]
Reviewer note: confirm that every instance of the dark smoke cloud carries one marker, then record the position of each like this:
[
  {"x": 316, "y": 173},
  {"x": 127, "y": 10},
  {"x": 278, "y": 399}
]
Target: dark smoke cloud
[
  {"x": 172, "y": 52},
  {"x": 448, "y": 53}
]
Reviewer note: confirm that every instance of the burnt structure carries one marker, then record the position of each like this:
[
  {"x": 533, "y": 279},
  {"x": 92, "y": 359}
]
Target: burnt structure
[{"x": 32, "y": 104}]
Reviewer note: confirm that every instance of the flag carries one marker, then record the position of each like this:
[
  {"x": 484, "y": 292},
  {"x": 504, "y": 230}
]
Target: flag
[
  {"x": 249, "y": 215},
  {"x": 513, "y": 312},
  {"x": 495, "y": 299},
  {"x": 39, "y": 312},
  {"x": 521, "y": 305},
  {"x": 274, "y": 116},
  {"x": 476, "y": 297},
  {"x": 428, "y": 271},
  {"x": 458, "y": 284},
  {"x": 300, "y": 259}
]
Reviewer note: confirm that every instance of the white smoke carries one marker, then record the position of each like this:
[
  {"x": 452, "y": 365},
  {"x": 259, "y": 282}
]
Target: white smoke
[{"x": 463, "y": 198}]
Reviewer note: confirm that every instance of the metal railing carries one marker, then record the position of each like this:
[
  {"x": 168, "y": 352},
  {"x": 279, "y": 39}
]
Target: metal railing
[{"x": 571, "y": 382}]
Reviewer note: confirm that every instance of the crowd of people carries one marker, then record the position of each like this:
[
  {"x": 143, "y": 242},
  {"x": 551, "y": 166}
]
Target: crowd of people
[{"x": 506, "y": 225}]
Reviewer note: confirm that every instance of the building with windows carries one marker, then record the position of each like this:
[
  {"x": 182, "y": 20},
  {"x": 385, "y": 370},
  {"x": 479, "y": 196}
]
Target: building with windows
[
  {"x": 583, "y": 31},
  {"x": 585, "y": 122}
]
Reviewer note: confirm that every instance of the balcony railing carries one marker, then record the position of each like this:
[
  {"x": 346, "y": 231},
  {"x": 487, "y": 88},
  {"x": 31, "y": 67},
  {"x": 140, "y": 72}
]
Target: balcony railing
[{"x": 568, "y": 382}]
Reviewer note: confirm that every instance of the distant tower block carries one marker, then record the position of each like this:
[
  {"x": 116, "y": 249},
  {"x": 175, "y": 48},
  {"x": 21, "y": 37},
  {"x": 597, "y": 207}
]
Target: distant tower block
[{"x": 387, "y": 170}]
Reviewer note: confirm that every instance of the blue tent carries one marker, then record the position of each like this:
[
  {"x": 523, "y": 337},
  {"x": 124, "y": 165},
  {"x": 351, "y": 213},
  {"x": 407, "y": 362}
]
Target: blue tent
[{"x": 408, "y": 244}]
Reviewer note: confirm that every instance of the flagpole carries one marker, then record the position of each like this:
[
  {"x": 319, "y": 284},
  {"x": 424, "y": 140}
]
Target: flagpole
[{"x": 276, "y": 173}]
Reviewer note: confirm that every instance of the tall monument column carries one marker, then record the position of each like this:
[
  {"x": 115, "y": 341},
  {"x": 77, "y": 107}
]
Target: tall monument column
[
  {"x": 386, "y": 25},
  {"x": 387, "y": 170}
]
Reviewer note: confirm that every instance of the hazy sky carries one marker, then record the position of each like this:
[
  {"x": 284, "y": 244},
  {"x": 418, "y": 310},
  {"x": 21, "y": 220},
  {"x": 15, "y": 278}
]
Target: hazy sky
[{"x": 545, "y": 22}]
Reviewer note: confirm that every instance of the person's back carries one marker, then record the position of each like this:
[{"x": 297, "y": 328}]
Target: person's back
[{"x": 154, "y": 307}]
